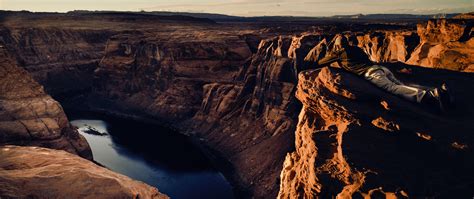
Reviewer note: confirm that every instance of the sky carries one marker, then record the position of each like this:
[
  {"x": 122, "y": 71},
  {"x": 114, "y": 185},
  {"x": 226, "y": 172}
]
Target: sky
[{"x": 250, "y": 7}]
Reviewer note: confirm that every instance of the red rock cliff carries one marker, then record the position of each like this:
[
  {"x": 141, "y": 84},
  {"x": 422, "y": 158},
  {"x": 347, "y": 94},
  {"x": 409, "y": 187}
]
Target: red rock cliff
[
  {"x": 355, "y": 140},
  {"x": 444, "y": 44}
]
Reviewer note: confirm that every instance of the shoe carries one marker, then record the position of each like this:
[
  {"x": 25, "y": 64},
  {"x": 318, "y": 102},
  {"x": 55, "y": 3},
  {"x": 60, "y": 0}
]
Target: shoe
[
  {"x": 436, "y": 93},
  {"x": 445, "y": 95},
  {"x": 431, "y": 99}
]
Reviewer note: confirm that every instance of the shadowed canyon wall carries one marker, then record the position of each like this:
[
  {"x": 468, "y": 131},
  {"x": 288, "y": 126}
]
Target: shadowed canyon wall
[{"x": 29, "y": 116}]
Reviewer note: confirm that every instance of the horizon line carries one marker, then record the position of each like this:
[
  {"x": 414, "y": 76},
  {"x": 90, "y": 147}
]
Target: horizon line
[{"x": 230, "y": 15}]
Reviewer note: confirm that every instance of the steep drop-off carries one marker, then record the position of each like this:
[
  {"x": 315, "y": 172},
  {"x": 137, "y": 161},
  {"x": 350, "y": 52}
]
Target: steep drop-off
[
  {"x": 29, "y": 116},
  {"x": 241, "y": 108},
  {"x": 62, "y": 60},
  {"x": 355, "y": 140},
  {"x": 163, "y": 77}
]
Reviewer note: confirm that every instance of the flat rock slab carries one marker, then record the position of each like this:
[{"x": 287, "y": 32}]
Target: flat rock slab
[{"x": 34, "y": 172}]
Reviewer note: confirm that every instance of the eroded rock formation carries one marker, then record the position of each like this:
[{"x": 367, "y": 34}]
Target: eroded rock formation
[
  {"x": 355, "y": 140},
  {"x": 34, "y": 172},
  {"x": 163, "y": 77},
  {"x": 445, "y": 44},
  {"x": 388, "y": 46},
  {"x": 29, "y": 116}
]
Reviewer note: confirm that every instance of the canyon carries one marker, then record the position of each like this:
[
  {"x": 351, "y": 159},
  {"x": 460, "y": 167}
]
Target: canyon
[{"x": 250, "y": 95}]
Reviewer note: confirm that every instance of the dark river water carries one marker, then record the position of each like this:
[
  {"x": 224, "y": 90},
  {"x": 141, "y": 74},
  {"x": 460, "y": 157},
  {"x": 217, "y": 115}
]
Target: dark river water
[{"x": 153, "y": 154}]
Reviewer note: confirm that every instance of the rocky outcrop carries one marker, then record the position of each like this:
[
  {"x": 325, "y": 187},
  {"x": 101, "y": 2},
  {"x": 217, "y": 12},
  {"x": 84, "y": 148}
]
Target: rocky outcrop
[
  {"x": 34, "y": 172},
  {"x": 388, "y": 46},
  {"x": 445, "y": 44},
  {"x": 29, "y": 116},
  {"x": 355, "y": 140}
]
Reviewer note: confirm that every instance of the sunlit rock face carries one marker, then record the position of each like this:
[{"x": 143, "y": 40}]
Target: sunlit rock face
[
  {"x": 445, "y": 44},
  {"x": 388, "y": 46},
  {"x": 355, "y": 140},
  {"x": 34, "y": 172},
  {"x": 29, "y": 116}
]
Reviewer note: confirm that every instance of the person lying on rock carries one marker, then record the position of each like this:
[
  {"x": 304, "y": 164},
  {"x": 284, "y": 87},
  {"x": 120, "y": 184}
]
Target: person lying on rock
[{"x": 355, "y": 60}]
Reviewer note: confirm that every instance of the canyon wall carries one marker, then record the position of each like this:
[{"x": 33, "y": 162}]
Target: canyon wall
[
  {"x": 355, "y": 140},
  {"x": 61, "y": 59},
  {"x": 240, "y": 105},
  {"x": 29, "y": 116},
  {"x": 162, "y": 77}
]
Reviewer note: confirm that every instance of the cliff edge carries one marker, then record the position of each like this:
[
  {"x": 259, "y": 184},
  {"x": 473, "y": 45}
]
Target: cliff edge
[
  {"x": 34, "y": 172},
  {"x": 355, "y": 140}
]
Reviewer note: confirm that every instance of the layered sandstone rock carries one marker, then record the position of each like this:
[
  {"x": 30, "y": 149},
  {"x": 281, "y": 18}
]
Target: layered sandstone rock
[
  {"x": 445, "y": 44},
  {"x": 62, "y": 60},
  {"x": 29, "y": 116},
  {"x": 388, "y": 46},
  {"x": 254, "y": 117},
  {"x": 355, "y": 140},
  {"x": 163, "y": 77},
  {"x": 34, "y": 172},
  {"x": 240, "y": 112}
]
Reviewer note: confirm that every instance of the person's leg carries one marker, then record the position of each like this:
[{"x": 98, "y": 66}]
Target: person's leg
[
  {"x": 381, "y": 79},
  {"x": 390, "y": 76}
]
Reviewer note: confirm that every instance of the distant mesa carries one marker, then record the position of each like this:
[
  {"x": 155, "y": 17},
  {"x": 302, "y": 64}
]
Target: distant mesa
[{"x": 469, "y": 15}]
